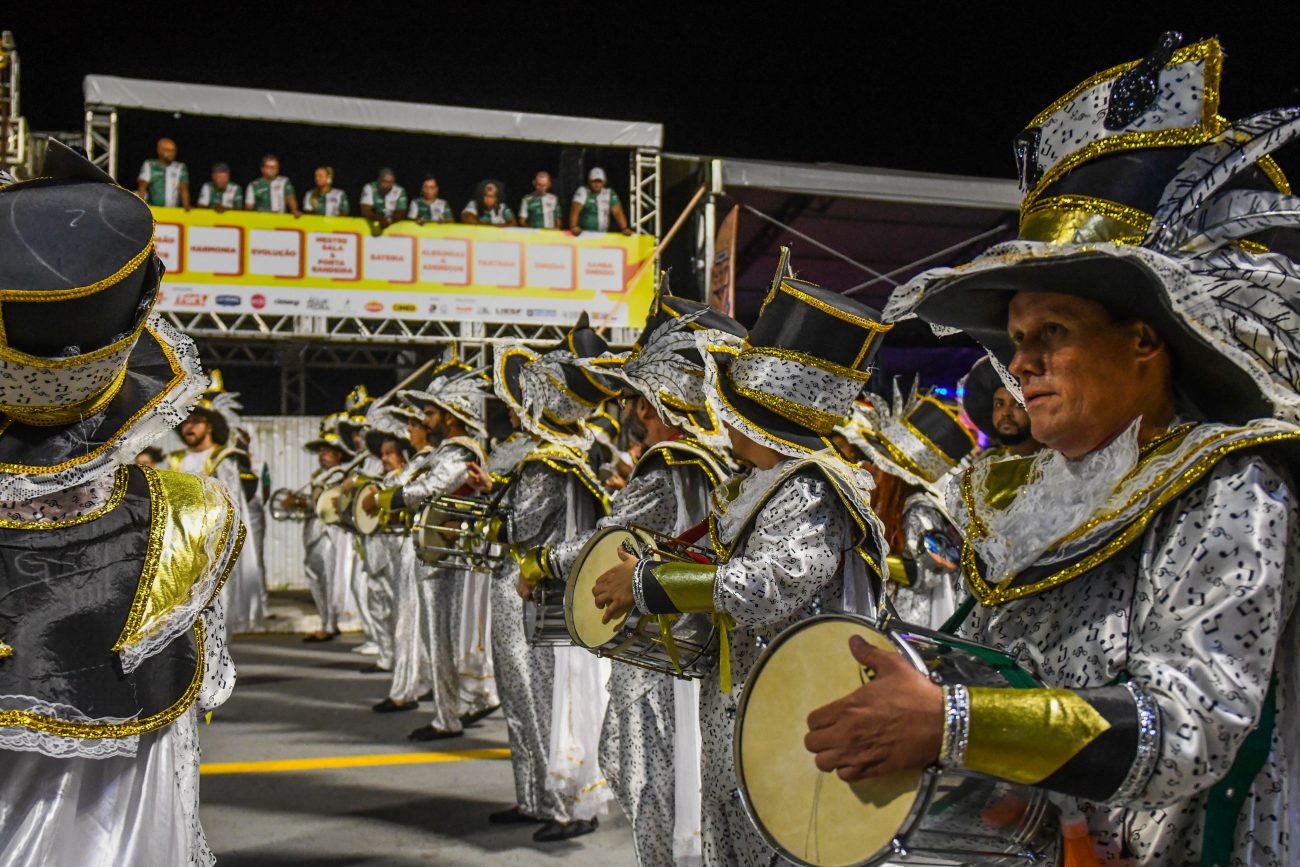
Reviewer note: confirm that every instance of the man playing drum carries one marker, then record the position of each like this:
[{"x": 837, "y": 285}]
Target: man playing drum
[
  {"x": 646, "y": 760},
  {"x": 1145, "y": 570},
  {"x": 555, "y": 495},
  {"x": 794, "y": 535},
  {"x": 452, "y": 408},
  {"x": 320, "y": 542}
]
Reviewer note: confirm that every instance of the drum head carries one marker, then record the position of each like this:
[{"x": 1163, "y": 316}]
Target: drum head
[
  {"x": 813, "y": 817},
  {"x": 364, "y": 523},
  {"x": 597, "y": 557},
  {"x": 327, "y": 504}
]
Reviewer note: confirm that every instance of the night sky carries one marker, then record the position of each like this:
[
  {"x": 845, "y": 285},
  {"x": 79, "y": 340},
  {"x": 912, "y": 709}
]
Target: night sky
[{"x": 905, "y": 86}]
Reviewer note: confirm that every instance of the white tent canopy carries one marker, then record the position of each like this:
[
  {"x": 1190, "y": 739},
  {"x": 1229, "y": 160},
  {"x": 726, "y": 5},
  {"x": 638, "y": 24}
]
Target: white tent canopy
[{"x": 345, "y": 111}]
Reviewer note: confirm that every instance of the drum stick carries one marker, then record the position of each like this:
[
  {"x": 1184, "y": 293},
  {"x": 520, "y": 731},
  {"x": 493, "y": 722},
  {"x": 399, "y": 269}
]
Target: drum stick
[
  {"x": 405, "y": 382},
  {"x": 654, "y": 257}
]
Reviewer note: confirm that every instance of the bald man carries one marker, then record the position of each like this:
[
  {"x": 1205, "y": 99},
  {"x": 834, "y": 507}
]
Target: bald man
[{"x": 165, "y": 182}]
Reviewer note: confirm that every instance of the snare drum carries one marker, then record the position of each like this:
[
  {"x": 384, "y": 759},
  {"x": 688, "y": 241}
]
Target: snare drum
[
  {"x": 451, "y": 531},
  {"x": 633, "y": 639},
  {"x": 917, "y": 817},
  {"x": 545, "y": 623}
]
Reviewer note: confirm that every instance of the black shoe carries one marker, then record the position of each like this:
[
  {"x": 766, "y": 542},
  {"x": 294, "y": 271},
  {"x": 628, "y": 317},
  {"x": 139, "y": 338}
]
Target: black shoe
[
  {"x": 554, "y": 831},
  {"x": 513, "y": 816},
  {"x": 429, "y": 733},
  {"x": 374, "y": 669},
  {"x": 390, "y": 706},
  {"x": 319, "y": 636},
  {"x": 470, "y": 718}
]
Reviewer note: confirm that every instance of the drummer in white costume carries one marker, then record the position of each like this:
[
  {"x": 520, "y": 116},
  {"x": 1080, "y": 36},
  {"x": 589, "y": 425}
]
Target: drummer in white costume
[
  {"x": 649, "y": 747},
  {"x": 351, "y": 557},
  {"x": 320, "y": 543},
  {"x": 794, "y": 535},
  {"x": 451, "y": 406},
  {"x": 99, "y": 754},
  {"x": 920, "y": 442},
  {"x": 553, "y": 494},
  {"x": 1146, "y": 568},
  {"x": 209, "y": 454}
]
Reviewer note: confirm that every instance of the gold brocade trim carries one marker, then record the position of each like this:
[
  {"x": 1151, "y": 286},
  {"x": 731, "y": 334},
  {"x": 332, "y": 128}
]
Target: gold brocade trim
[
  {"x": 5, "y": 651},
  {"x": 177, "y": 376},
  {"x": 989, "y": 595},
  {"x": 927, "y": 442},
  {"x": 807, "y": 360},
  {"x": 81, "y": 291},
  {"x": 722, "y": 397},
  {"x": 1251, "y": 246},
  {"x": 114, "y": 500},
  {"x": 1134, "y": 218},
  {"x": 898, "y": 456},
  {"x": 817, "y": 421},
  {"x": 91, "y": 730},
  {"x": 1210, "y": 124},
  {"x": 1026, "y": 735},
  {"x": 52, "y": 416},
  {"x": 842, "y": 315},
  {"x": 1083, "y": 219},
  {"x": 711, "y": 465},
  {"x": 1274, "y": 173},
  {"x": 689, "y": 586},
  {"x": 565, "y": 460},
  {"x": 183, "y": 514}
]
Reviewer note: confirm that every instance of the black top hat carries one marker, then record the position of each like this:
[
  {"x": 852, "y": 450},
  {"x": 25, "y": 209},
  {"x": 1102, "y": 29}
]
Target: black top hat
[
  {"x": 89, "y": 378},
  {"x": 1141, "y": 197},
  {"x": 978, "y": 388},
  {"x": 804, "y": 363}
]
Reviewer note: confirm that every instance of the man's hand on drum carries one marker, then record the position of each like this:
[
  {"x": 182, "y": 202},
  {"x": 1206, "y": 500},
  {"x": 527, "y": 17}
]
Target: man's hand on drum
[
  {"x": 613, "y": 590},
  {"x": 348, "y": 484},
  {"x": 892, "y": 723},
  {"x": 524, "y": 589},
  {"x": 479, "y": 479},
  {"x": 370, "y": 504}
]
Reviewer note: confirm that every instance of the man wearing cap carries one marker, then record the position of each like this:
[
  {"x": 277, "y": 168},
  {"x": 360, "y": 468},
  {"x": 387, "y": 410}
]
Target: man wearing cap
[
  {"x": 540, "y": 209},
  {"x": 320, "y": 542},
  {"x": 451, "y": 408},
  {"x": 594, "y": 204},
  {"x": 112, "y": 639},
  {"x": 648, "y": 762},
  {"x": 220, "y": 193},
  {"x": 1145, "y": 570},
  {"x": 794, "y": 535},
  {"x": 325, "y": 199},
  {"x": 383, "y": 200},
  {"x": 165, "y": 182},
  {"x": 272, "y": 192},
  {"x": 210, "y": 453}
]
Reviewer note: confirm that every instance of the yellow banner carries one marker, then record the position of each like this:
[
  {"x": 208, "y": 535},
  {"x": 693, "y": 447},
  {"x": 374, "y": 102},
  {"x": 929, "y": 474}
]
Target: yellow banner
[{"x": 240, "y": 261}]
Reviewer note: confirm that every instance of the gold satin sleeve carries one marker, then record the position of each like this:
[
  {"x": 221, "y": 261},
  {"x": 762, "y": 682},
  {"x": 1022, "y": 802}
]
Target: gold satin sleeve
[
  {"x": 1026, "y": 735},
  {"x": 190, "y": 523}
]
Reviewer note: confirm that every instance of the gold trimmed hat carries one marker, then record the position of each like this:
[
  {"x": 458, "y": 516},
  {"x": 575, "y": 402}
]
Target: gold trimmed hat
[
  {"x": 88, "y": 376},
  {"x": 919, "y": 439},
  {"x": 795, "y": 378},
  {"x": 455, "y": 388},
  {"x": 1140, "y": 196},
  {"x": 329, "y": 435},
  {"x": 220, "y": 407},
  {"x": 555, "y": 393}
]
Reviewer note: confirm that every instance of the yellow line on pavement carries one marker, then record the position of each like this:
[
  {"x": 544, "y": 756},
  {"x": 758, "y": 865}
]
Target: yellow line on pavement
[{"x": 365, "y": 761}]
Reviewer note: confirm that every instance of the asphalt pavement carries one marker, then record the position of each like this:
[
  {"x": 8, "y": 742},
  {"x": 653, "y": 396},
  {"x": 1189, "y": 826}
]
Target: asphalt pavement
[{"x": 297, "y": 770}]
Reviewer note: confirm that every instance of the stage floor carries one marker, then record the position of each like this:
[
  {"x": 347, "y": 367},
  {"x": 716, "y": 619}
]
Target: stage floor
[{"x": 297, "y": 770}]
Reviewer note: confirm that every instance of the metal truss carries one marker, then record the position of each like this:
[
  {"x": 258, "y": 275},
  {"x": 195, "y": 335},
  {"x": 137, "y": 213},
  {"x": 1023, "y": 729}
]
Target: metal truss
[
  {"x": 646, "y": 189},
  {"x": 101, "y": 137}
]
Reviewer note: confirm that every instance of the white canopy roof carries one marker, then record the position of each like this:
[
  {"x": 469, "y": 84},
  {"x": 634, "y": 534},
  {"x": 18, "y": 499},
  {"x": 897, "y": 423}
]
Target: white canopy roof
[{"x": 345, "y": 111}]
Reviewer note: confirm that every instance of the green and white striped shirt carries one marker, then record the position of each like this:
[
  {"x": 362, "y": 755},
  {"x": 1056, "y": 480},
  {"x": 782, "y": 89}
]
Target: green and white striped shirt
[
  {"x": 210, "y": 196},
  {"x": 264, "y": 195},
  {"x": 594, "y": 216},
  {"x": 541, "y": 212},
  {"x": 393, "y": 201},
  {"x": 331, "y": 204},
  {"x": 164, "y": 182},
  {"x": 501, "y": 215},
  {"x": 437, "y": 211}
]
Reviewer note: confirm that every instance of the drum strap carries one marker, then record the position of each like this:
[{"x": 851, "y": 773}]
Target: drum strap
[
  {"x": 695, "y": 534},
  {"x": 1224, "y": 802},
  {"x": 952, "y": 624}
]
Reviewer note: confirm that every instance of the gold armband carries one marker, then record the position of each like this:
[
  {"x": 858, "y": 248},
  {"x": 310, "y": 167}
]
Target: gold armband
[
  {"x": 1026, "y": 735},
  {"x": 534, "y": 566}
]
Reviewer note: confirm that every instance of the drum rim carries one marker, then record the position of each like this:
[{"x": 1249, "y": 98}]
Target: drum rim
[
  {"x": 357, "y": 494},
  {"x": 923, "y": 795},
  {"x": 571, "y": 583}
]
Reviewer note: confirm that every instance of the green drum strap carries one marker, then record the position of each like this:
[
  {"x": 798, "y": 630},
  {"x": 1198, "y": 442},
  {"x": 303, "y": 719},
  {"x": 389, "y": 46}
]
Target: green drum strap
[
  {"x": 1223, "y": 806},
  {"x": 952, "y": 624}
]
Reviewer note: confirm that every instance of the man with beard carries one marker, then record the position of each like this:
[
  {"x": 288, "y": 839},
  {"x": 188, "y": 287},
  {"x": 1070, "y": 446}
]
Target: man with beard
[
  {"x": 451, "y": 406},
  {"x": 997, "y": 413}
]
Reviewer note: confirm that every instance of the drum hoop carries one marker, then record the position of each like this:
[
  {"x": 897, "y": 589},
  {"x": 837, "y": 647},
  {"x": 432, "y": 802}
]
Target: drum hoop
[
  {"x": 571, "y": 584},
  {"x": 915, "y": 813}
]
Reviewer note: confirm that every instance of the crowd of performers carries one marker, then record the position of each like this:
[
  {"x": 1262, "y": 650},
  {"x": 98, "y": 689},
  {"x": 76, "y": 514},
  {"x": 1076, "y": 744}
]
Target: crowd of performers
[{"x": 1075, "y": 646}]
